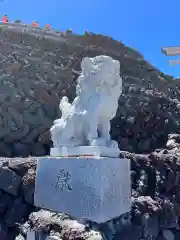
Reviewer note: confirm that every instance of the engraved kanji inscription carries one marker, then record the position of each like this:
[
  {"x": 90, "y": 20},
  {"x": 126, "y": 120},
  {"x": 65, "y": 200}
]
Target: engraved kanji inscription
[{"x": 63, "y": 180}]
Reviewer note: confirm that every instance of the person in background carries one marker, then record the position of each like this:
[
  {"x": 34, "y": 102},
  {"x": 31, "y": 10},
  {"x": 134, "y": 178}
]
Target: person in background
[
  {"x": 48, "y": 26},
  {"x": 35, "y": 24},
  {"x": 5, "y": 18}
]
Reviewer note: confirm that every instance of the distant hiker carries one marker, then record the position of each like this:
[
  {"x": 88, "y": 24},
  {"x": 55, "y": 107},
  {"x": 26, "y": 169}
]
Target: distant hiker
[
  {"x": 86, "y": 33},
  {"x": 35, "y": 24},
  {"x": 69, "y": 31},
  {"x": 5, "y": 18},
  {"x": 48, "y": 26}
]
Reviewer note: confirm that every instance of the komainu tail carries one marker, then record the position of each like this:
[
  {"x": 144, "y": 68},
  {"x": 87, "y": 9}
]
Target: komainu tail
[{"x": 65, "y": 107}]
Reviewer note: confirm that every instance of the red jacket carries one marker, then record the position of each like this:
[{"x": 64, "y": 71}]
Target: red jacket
[
  {"x": 35, "y": 24},
  {"x": 5, "y": 19}
]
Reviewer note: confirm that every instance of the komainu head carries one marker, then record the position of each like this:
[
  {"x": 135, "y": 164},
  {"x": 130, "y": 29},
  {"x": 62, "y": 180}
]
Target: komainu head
[{"x": 98, "y": 74}]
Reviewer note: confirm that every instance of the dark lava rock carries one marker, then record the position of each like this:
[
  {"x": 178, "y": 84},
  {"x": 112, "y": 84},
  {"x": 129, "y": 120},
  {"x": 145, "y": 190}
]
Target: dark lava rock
[
  {"x": 21, "y": 165},
  {"x": 20, "y": 150},
  {"x": 10, "y": 181},
  {"x": 5, "y": 202},
  {"x": 17, "y": 212},
  {"x": 4, "y": 232},
  {"x": 28, "y": 186}
]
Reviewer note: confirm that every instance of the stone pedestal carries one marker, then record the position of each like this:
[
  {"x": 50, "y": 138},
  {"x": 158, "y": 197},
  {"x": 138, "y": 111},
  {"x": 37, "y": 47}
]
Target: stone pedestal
[
  {"x": 93, "y": 188},
  {"x": 32, "y": 235},
  {"x": 36, "y": 235},
  {"x": 97, "y": 151}
]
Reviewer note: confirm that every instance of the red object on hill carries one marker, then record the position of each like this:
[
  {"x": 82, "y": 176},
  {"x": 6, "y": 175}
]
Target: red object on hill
[
  {"x": 5, "y": 18},
  {"x": 35, "y": 24}
]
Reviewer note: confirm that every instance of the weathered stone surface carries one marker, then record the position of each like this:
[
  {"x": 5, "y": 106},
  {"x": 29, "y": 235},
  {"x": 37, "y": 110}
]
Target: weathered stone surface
[{"x": 99, "y": 187}]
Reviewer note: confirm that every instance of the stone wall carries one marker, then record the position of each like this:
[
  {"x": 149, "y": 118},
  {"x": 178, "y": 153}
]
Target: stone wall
[
  {"x": 155, "y": 194},
  {"x": 38, "y": 67}
]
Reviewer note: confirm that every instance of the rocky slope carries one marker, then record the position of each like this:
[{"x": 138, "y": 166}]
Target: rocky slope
[{"x": 38, "y": 67}]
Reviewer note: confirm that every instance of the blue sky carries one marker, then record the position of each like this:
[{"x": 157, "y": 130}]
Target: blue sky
[{"x": 146, "y": 25}]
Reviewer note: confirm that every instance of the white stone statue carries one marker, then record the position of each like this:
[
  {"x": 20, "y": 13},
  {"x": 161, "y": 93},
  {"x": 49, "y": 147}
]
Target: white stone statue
[
  {"x": 84, "y": 176},
  {"x": 86, "y": 122}
]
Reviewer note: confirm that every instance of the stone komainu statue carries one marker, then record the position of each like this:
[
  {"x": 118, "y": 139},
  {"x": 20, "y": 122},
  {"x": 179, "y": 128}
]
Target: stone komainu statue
[{"x": 86, "y": 122}]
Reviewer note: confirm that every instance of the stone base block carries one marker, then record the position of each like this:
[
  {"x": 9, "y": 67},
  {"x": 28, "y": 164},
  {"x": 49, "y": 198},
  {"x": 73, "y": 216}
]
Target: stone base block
[
  {"x": 96, "y": 151},
  {"x": 34, "y": 235},
  {"x": 31, "y": 235},
  {"x": 96, "y": 189}
]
